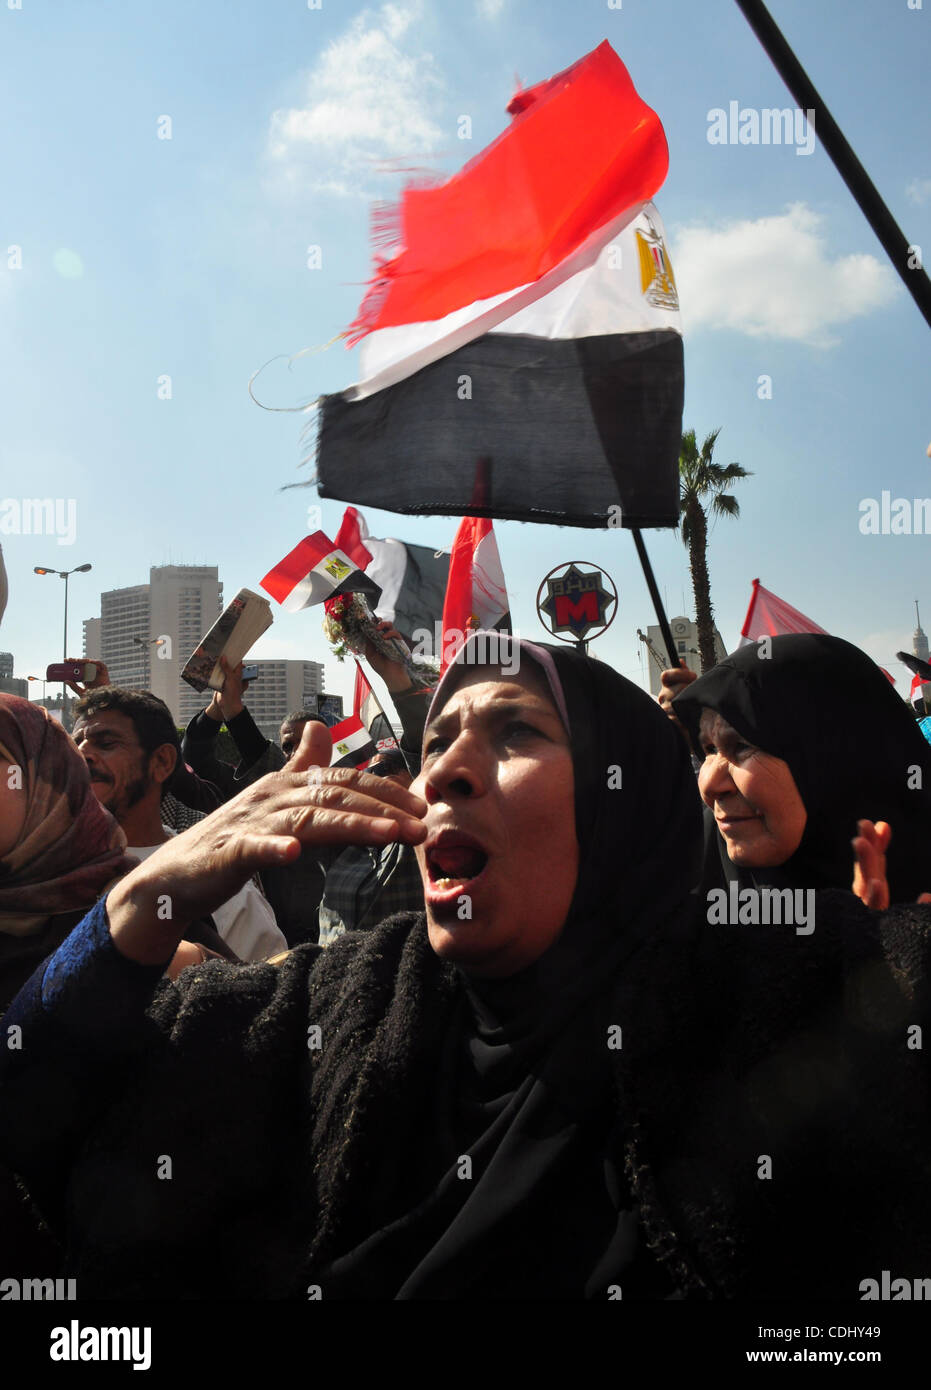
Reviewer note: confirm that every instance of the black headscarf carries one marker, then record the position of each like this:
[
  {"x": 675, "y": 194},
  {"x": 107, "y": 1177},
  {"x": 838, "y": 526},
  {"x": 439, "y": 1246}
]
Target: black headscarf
[
  {"x": 522, "y": 1085},
  {"x": 634, "y": 822},
  {"x": 854, "y": 751}
]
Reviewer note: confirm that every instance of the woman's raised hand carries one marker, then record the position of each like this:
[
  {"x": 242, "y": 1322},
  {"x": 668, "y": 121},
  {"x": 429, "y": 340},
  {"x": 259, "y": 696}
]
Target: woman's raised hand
[
  {"x": 869, "y": 872},
  {"x": 307, "y": 803},
  {"x": 869, "y": 875},
  {"x": 672, "y": 683}
]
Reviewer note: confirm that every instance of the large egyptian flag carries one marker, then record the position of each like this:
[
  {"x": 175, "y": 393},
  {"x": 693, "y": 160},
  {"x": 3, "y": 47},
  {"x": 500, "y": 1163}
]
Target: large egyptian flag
[
  {"x": 476, "y": 596},
  {"x": 314, "y": 571},
  {"x": 412, "y": 578},
  {"x": 521, "y": 352}
]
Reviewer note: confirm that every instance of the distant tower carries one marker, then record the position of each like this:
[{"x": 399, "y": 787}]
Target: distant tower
[{"x": 919, "y": 640}]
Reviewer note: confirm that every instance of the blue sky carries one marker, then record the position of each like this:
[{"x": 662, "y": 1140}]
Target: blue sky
[{"x": 188, "y": 257}]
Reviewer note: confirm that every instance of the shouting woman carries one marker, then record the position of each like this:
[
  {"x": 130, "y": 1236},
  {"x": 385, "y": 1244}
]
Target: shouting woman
[{"x": 556, "y": 1082}]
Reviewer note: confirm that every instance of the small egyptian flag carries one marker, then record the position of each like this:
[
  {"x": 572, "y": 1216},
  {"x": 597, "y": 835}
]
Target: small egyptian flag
[
  {"x": 476, "y": 596},
  {"x": 353, "y": 745},
  {"x": 770, "y": 616},
  {"x": 314, "y": 571},
  {"x": 917, "y": 693},
  {"x": 363, "y": 733},
  {"x": 412, "y": 578},
  {"x": 527, "y": 325},
  {"x": 367, "y": 709}
]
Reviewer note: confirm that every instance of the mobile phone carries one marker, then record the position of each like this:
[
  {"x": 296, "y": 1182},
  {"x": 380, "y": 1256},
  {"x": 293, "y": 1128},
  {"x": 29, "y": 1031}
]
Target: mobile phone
[
  {"x": 82, "y": 671},
  {"x": 250, "y": 673}
]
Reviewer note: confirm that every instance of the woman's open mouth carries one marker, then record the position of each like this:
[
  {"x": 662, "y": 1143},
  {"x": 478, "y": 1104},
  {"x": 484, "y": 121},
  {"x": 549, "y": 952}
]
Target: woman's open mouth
[{"x": 455, "y": 861}]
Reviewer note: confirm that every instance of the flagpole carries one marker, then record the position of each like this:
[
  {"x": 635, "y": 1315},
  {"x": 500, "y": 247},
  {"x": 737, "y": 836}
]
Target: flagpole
[
  {"x": 845, "y": 161},
  {"x": 661, "y": 618},
  {"x": 412, "y": 770}
]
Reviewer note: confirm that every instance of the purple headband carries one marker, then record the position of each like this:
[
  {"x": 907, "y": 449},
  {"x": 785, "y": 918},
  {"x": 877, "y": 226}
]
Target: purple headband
[{"x": 504, "y": 644}]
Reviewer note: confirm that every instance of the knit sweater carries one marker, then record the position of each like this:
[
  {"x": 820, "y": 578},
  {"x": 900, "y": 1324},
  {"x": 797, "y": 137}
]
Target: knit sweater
[{"x": 772, "y": 1111}]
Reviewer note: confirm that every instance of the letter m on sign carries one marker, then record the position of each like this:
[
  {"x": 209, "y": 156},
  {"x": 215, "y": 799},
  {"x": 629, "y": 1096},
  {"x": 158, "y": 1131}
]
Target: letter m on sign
[{"x": 577, "y": 612}]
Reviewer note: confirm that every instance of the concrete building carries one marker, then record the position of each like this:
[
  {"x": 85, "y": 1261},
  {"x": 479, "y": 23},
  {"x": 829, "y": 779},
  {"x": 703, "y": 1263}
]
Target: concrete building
[
  {"x": 10, "y": 684},
  {"x": 282, "y": 687},
  {"x": 124, "y": 615},
  {"x": 146, "y": 633},
  {"x": 92, "y": 637},
  {"x": 685, "y": 636}
]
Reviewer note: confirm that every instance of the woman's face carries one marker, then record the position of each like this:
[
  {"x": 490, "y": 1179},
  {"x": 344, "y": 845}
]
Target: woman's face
[
  {"x": 500, "y": 860},
  {"x": 756, "y": 803}
]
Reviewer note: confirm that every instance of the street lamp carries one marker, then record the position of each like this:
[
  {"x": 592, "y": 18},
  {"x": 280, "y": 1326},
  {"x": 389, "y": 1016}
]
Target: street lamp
[
  {"x": 44, "y": 683},
  {"x": 63, "y": 574},
  {"x": 150, "y": 642}
]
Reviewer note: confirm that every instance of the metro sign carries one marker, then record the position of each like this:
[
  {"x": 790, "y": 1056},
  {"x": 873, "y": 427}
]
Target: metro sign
[{"x": 577, "y": 602}]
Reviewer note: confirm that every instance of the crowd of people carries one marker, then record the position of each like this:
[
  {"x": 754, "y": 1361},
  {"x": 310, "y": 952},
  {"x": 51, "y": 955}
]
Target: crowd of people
[{"x": 573, "y": 995}]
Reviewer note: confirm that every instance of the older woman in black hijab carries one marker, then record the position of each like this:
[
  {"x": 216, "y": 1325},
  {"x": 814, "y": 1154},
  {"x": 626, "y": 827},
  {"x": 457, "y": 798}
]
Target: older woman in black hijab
[
  {"x": 550, "y": 1085},
  {"x": 802, "y": 737}
]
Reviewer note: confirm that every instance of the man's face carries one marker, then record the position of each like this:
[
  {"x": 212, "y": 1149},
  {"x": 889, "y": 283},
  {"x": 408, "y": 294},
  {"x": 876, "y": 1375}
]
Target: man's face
[
  {"x": 290, "y": 737},
  {"x": 118, "y": 766}
]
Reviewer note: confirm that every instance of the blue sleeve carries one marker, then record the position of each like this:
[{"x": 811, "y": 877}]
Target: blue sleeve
[
  {"x": 86, "y": 992},
  {"x": 70, "y": 1033}
]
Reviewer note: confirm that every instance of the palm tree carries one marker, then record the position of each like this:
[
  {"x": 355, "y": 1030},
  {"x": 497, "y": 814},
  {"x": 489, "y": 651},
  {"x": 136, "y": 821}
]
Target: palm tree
[{"x": 701, "y": 479}]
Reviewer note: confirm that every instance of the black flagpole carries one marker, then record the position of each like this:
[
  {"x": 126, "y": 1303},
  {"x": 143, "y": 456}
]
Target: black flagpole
[
  {"x": 661, "y": 618},
  {"x": 861, "y": 186},
  {"x": 845, "y": 161}
]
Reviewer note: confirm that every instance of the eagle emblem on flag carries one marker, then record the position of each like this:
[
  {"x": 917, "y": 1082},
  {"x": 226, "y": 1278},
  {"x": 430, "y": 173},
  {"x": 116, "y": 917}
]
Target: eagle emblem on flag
[
  {"x": 656, "y": 278},
  {"x": 336, "y": 569},
  {"x": 342, "y": 749}
]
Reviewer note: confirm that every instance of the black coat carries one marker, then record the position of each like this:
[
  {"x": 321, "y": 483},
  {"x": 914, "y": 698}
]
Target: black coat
[{"x": 772, "y": 1111}]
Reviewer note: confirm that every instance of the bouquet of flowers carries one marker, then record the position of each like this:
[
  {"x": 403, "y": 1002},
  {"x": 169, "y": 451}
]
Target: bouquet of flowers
[{"x": 350, "y": 623}]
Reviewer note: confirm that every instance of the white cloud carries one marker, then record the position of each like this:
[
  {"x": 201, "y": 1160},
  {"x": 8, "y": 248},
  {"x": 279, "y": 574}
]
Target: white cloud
[
  {"x": 775, "y": 278},
  {"x": 490, "y": 9},
  {"x": 367, "y": 99},
  {"x": 919, "y": 191}
]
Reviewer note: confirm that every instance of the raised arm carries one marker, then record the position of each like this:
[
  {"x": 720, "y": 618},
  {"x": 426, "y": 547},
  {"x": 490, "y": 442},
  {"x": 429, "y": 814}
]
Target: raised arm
[{"x": 80, "y": 1020}]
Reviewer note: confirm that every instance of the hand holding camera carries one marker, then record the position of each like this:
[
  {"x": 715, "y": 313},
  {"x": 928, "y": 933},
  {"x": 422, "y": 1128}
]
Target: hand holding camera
[{"x": 78, "y": 675}]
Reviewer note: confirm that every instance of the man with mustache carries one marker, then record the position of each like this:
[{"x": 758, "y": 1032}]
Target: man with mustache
[{"x": 130, "y": 744}]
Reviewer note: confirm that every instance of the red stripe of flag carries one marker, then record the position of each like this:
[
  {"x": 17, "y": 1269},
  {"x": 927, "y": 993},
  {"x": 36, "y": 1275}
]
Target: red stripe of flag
[
  {"x": 582, "y": 149},
  {"x": 349, "y": 539},
  {"x": 475, "y": 594}
]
